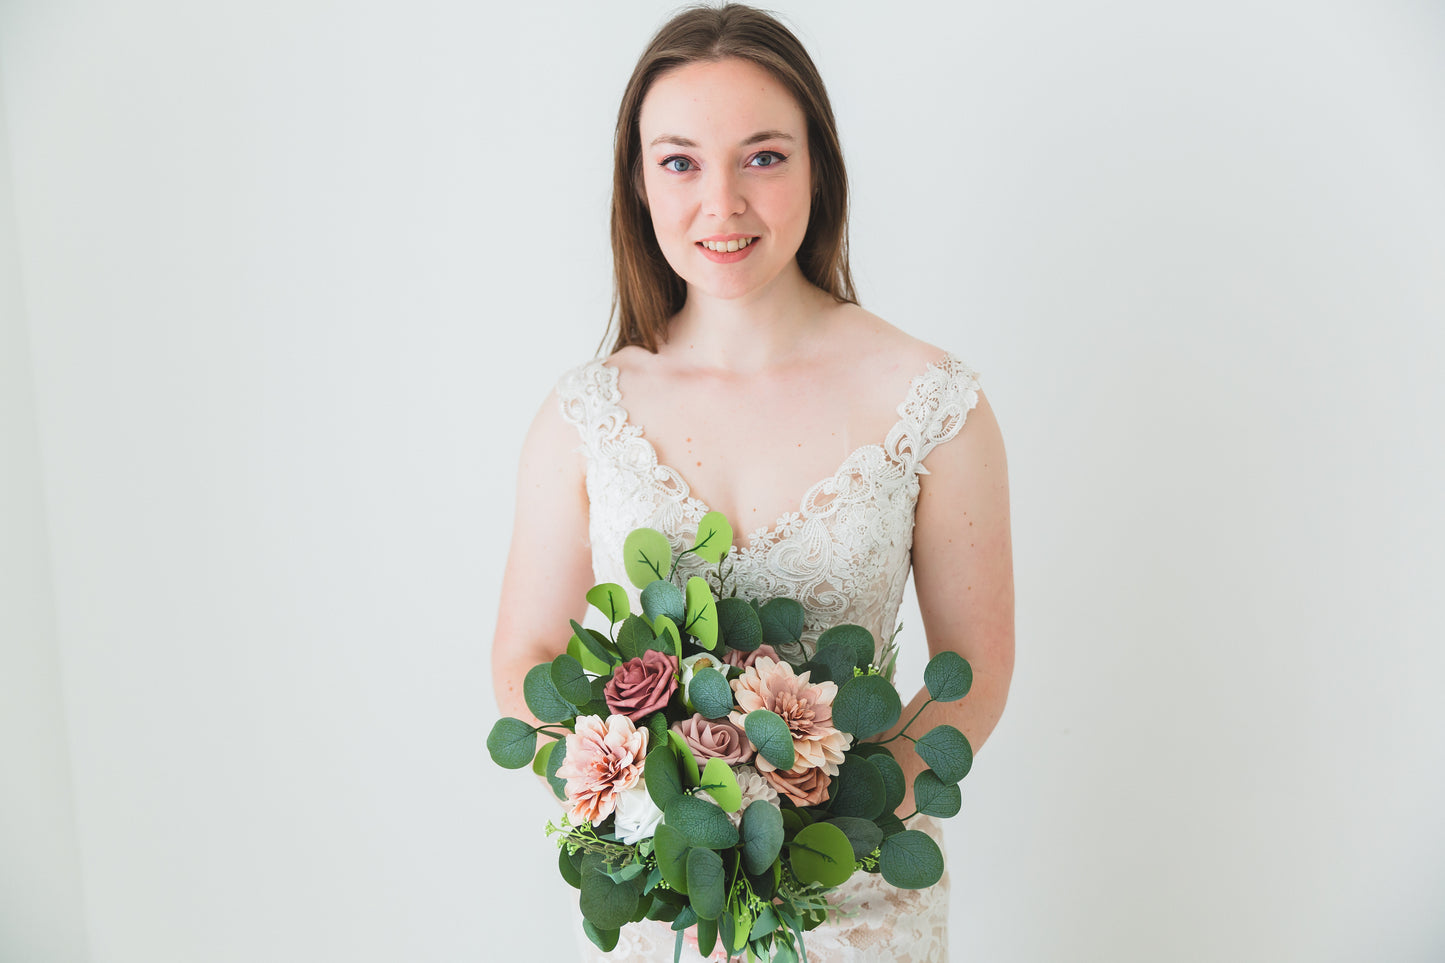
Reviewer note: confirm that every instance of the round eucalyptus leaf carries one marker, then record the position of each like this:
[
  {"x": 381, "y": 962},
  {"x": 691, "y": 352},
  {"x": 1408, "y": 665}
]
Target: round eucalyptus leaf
[
  {"x": 671, "y": 849},
  {"x": 911, "y": 860},
  {"x": 782, "y": 621},
  {"x": 947, "y": 752},
  {"x": 706, "y": 885},
  {"x": 866, "y": 706},
  {"x": 948, "y": 676},
  {"x": 542, "y": 696},
  {"x": 934, "y": 797},
  {"x": 858, "y": 789},
  {"x": 771, "y": 736},
  {"x": 853, "y": 639},
  {"x": 661, "y": 597},
  {"x": 721, "y": 785},
  {"x": 595, "y": 642},
  {"x": 739, "y": 625},
  {"x": 604, "y": 940},
  {"x": 714, "y": 537},
  {"x": 837, "y": 660},
  {"x": 539, "y": 761},
  {"x": 610, "y": 599},
  {"x": 570, "y": 867},
  {"x": 554, "y": 762},
  {"x": 701, "y": 619},
  {"x": 659, "y": 774},
  {"x": 762, "y": 834},
  {"x": 701, "y": 822},
  {"x": 633, "y": 637},
  {"x": 863, "y": 834},
  {"x": 710, "y": 693},
  {"x": 895, "y": 784},
  {"x": 646, "y": 556},
  {"x": 821, "y": 853},
  {"x": 606, "y": 902},
  {"x": 510, "y": 741},
  {"x": 570, "y": 680}
]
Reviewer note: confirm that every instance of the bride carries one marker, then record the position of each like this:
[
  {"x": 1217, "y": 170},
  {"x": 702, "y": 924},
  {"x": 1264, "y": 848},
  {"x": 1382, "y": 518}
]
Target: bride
[{"x": 746, "y": 379}]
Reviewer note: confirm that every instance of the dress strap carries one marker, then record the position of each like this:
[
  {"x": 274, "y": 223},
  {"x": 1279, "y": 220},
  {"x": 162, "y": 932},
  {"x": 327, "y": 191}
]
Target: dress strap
[
  {"x": 589, "y": 398},
  {"x": 937, "y": 405}
]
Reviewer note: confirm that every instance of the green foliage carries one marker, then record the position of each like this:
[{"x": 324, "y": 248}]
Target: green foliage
[
  {"x": 554, "y": 762},
  {"x": 821, "y": 853},
  {"x": 510, "y": 741},
  {"x": 570, "y": 680},
  {"x": 895, "y": 784},
  {"x": 701, "y": 619},
  {"x": 539, "y": 761},
  {"x": 833, "y": 664},
  {"x": 947, "y": 752},
  {"x": 671, "y": 849},
  {"x": 610, "y": 599},
  {"x": 542, "y": 696},
  {"x": 934, "y": 797},
  {"x": 604, "y": 940},
  {"x": 771, "y": 736},
  {"x": 714, "y": 537},
  {"x": 782, "y": 621},
  {"x": 859, "y": 789},
  {"x": 595, "y": 642},
  {"x": 690, "y": 768},
  {"x": 633, "y": 637},
  {"x": 889, "y": 824},
  {"x": 706, "y": 884},
  {"x": 710, "y": 693},
  {"x": 948, "y": 676},
  {"x": 606, "y": 902},
  {"x": 910, "y": 860},
  {"x": 701, "y": 822},
  {"x": 706, "y": 936},
  {"x": 853, "y": 639},
  {"x": 665, "y": 627},
  {"x": 721, "y": 784},
  {"x": 739, "y": 625},
  {"x": 570, "y": 866},
  {"x": 866, "y": 706},
  {"x": 659, "y": 773},
  {"x": 585, "y": 655},
  {"x": 762, "y": 835},
  {"x": 661, "y": 597},
  {"x": 646, "y": 556},
  {"x": 863, "y": 834}
]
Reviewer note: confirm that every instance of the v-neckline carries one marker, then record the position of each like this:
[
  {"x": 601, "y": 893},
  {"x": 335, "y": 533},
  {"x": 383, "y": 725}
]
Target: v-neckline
[{"x": 770, "y": 534}]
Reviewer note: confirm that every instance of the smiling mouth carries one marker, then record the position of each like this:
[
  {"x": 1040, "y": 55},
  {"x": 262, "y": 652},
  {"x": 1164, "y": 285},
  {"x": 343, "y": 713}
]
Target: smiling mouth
[{"x": 726, "y": 247}]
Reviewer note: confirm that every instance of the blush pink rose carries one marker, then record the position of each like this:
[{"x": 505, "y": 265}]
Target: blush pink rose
[
  {"x": 744, "y": 659},
  {"x": 714, "y": 740},
  {"x": 604, "y": 759},
  {"x": 641, "y": 686},
  {"x": 807, "y": 786}
]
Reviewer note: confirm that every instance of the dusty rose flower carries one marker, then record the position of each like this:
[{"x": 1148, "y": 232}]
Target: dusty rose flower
[
  {"x": 804, "y": 786},
  {"x": 714, "y": 740},
  {"x": 807, "y": 708},
  {"x": 744, "y": 659},
  {"x": 603, "y": 760},
  {"x": 641, "y": 686}
]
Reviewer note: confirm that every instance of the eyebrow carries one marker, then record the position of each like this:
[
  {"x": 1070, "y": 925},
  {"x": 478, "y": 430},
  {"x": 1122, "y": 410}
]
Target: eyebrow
[{"x": 757, "y": 138}]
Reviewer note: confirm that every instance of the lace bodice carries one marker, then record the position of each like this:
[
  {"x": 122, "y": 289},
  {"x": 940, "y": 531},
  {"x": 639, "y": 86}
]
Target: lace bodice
[{"x": 844, "y": 554}]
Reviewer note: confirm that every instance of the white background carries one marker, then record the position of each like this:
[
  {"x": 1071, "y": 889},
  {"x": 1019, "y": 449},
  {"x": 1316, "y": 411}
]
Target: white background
[{"x": 282, "y": 283}]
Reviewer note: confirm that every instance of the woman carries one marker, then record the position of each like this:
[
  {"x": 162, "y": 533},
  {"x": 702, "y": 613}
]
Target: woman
[{"x": 759, "y": 378}]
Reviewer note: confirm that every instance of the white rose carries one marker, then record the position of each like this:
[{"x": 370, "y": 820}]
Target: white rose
[
  {"x": 690, "y": 665},
  {"x": 637, "y": 815}
]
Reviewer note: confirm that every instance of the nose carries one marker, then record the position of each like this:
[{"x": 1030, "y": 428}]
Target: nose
[{"x": 722, "y": 193}]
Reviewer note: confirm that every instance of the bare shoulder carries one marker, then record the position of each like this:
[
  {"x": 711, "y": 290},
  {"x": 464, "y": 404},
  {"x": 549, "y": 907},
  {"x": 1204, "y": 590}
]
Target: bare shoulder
[{"x": 874, "y": 352}]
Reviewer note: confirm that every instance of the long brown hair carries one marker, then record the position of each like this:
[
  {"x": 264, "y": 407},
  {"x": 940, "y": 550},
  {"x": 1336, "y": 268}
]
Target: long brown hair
[{"x": 646, "y": 291}]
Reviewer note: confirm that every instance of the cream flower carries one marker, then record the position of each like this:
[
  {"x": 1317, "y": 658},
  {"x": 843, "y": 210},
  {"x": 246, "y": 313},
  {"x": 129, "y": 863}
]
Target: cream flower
[
  {"x": 637, "y": 815},
  {"x": 807, "y": 708},
  {"x": 603, "y": 760},
  {"x": 754, "y": 788}
]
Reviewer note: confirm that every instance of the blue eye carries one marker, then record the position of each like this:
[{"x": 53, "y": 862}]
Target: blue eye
[
  {"x": 668, "y": 163},
  {"x": 767, "y": 158}
]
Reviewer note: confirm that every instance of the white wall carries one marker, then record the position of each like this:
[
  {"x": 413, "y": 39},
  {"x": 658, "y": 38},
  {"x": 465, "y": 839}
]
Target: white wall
[
  {"x": 297, "y": 274},
  {"x": 42, "y": 913}
]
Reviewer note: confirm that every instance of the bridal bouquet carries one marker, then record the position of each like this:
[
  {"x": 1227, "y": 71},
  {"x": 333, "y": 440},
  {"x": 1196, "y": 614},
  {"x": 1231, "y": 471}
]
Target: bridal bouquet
[{"x": 709, "y": 781}]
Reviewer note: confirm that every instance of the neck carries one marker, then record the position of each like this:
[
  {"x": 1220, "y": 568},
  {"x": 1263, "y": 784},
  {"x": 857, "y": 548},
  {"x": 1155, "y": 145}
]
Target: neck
[{"x": 750, "y": 334}]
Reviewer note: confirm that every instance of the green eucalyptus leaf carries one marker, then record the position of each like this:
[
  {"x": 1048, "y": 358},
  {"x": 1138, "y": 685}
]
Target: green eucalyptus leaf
[
  {"x": 706, "y": 936},
  {"x": 570, "y": 680},
  {"x": 606, "y": 902},
  {"x": 701, "y": 822},
  {"x": 895, "y": 784},
  {"x": 762, "y": 836},
  {"x": 948, "y": 676},
  {"x": 660, "y": 598},
  {"x": 659, "y": 773},
  {"x": 585, "y": 656},
  {"x": 691, "y": 769},
  {"x": 633, "y": 638},
  {"x": 858, "y": 789},
  {"x": 911, "y": 860},
  {"x": 569, "y": 865},
  {"x": 738, "y": 624},
  {"x": 782, "y": 621},
  {"x": 821, "y": 853},
  {"x": 666, "y": 628},
  {"x": 685, "y": 917},
  {"x": 595, "y": 642},
  {"x": 706, "y": 886},
  {"x": 510, "y": 741},
  {"x": 701, "y": 619},
  {"x": 671, "y": 849},
  {"x": 604, "y": 940},
  {"x": 866, "y": 706},
  {"x": 646, "y": 556},
  {"x": 554, "y": 762},
  {"x": 610, "y": 599},
  {"x": 719, "y": 782},
  {"x": 889, "y": 825},
  {"x": 947, "y": 752},
  {"x": 539, "y": 761},
  {"x": 710, "y": 693},
  {"x": 853, "y": 639},
  {"x": 836, "y": 661},
  {"x": 771, "y": 736},
  {"x": 714, "y": 537},
  {"x": 934, "y": 797},
  {"x": 542, "y": 696},
  {"x": 863, "y": 834}
]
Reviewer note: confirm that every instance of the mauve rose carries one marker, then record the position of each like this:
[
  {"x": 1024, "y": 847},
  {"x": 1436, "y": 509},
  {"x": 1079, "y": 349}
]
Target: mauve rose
[
  {"x": 714, "y": 740},
  {"x": 639, "y": 687},
  {"x": 805, "y": 787},
  {"x": 744, "y": 659}
]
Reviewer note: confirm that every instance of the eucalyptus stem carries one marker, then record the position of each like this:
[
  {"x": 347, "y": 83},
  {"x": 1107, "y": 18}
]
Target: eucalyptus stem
[{"x": 903, "y": 733}]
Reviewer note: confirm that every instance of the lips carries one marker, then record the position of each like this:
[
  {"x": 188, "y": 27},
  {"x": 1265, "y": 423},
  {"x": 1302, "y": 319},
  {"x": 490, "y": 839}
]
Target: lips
[{"x": 728, "y": 250}]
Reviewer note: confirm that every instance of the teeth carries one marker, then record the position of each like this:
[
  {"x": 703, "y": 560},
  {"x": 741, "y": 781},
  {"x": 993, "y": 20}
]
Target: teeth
[{"x": 728, "y": 246}]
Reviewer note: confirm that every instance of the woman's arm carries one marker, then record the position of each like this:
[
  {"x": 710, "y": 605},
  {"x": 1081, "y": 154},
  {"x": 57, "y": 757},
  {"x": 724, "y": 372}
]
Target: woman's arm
[
  {"x": 549, "y": 565},
  {"x": 963, "y": 572}
]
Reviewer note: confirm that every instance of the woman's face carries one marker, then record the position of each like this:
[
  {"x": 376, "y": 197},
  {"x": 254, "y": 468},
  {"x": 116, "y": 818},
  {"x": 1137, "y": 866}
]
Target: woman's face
[{"x": 727, "y": 176}]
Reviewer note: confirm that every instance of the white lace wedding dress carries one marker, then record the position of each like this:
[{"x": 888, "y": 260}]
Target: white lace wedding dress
[{"x": 844, "y": 554}]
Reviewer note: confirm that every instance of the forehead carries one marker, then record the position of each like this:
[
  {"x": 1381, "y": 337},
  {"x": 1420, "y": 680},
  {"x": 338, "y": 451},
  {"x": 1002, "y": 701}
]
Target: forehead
[{"x": 720, "y": 103}]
